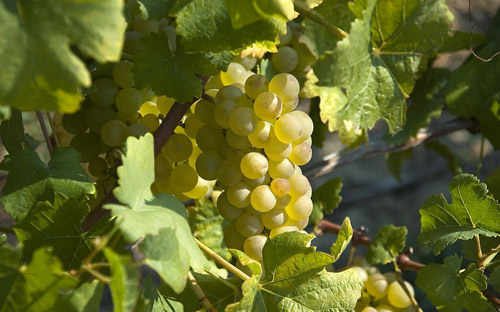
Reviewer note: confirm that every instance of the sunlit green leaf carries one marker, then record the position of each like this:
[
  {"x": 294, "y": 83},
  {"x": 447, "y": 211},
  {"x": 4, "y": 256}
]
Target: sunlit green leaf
[{"x": 389, "y": 242}]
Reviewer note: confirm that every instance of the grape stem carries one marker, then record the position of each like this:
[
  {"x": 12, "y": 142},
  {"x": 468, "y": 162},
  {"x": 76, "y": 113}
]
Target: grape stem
[
  {"x": 44, "y": 131},
  {"x": 231, "y": 268},
  {"x": 401, "y": 282},
  {"x": 199, "y": 293},
  {"x": 318, "y": 19},
  {"x": 52, "y": 128},
  {"x": 358, "y": 236}
]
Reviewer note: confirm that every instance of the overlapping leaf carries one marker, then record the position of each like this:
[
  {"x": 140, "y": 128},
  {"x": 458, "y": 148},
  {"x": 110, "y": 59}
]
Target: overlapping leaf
[
  {"x": 39, "y": 70},
  {"x": 343, "y": 239},
  {"x": 12, "y": 132},
  {"x": 326, "y": 198},
  {"x": 30, "y": 180},
  {"x": 86, "y": 298},
  {"x": 389, "y": 242},
  {"x": 471, "y": 212}
]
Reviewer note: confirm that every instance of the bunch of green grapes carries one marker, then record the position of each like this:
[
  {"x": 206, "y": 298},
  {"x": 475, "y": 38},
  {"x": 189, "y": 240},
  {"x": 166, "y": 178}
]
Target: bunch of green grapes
[{"x": 381, "y": 292}]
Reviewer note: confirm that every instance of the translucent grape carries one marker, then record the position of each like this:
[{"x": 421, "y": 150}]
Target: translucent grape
[
  {"x": 282, "y": 229},
  {"x": 384, "y": 308},
  {"x": 262, "y": 198},
  {"x": 290, "y": 105},
  {"x": 282, "y": 201},
  {"x": 397, "y": 295},
  {"x": 207, "y": 164},
  {"x": 277, "y": 150},
  {"x": 123, "y": 75},
  {"x": 178, "y": 147},
  {"x": 192, "y": 125},
  {"x": 210, "y": 138},
  {"x": 253, "y": 183},
  {"x": 363, "y": 275},
  {"x": 236, "y": 73},
  {"x": 96, "y": 117},
  {"x": 307, "y": 125},
  {"x": 132, "y": 42},
  {"x": 164, "y": 104},
  {"x": 237, "y": 141},
  {"x": 274, "y": 218},
  {"x": 267, "y": 106},
  {"x": 230, "y": 92},
  {"x": 281, "y": 169},
  {"x": 149, "y": 107},
  {"x": 299, "y": 208},
  {"x": 137, "y": 130},
  {"x": 245, "y": 101},
  {"x": 249, "y": 224},
  {"x": 229, "y": 173},
  {"x": 114, "y": 133},
  {"x": 369, "y": 309},
  {"x": 280, "y": 186},
  {"x": 287, "y": 37},
  {"x": 98, "y": 167},
  {"x": 163, "y": 167},
  {"x": 301, "y": 154},
  {"x": 300, "y": 224},
  {"x": 200, "y": 190},
  {"x": 239, "y": 195},
  {"x": 285, "y": 60},
  {"x": 243, "y": 121},
  {"x": 299, "y": 185},
  {"x": 240, "y": 86},
  {"x": 286, "y": 86},
  {"x": 260, "y": 136},
  {"x": 232, "y": 238},
  {"x": 214, "y": 82},
  {"x": 151, "y": 121},
  {"x": 106, "y": 92},
  {"x": 376, "y": 285},
  {"x": 288, "y": 128},
  {"x": 222, "y": 111},
  {"x": 254, "y": 165},
  {"x": 183, "y": 178},
  {"x": 248, "y": 62},
  {"x": 128, "y": 100},
  {"x": 255, "y": 85},
  {"x": 253, "y": 246},
  {"x": 204, "y": 111}
]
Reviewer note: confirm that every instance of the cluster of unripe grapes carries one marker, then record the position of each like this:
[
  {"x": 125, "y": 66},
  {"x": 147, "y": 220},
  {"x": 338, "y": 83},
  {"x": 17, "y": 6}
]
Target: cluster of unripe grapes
[{"x": 381, "y": 292}]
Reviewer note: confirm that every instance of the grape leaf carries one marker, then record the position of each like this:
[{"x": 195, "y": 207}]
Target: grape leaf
[
  {"x": 33, "y": 287},
  {"x": 206, "y": 225},
  {"x": 295, "y": 280},
  {"x": 124, "y": 283},
  {"x": 395, "y": 161},
  {"x": 254, "y": 267},
  {"x": 30, "y": 180},
  {"x": 326, "y": 197},
  {"x": 12, "y": 132},
  {"x": 494, "y": 279},
  {"x": 462, "y": 40},
  {"x": 493, "y": 182},
  {"x": 470, "y": 213},
  {"x": 242, "y": 12},
  {"x": 320, "y": 128},
  {"x": 42, "y": 72},
  {"x": 451, "y": 289},
  {"x": 389, "y": 242},
  {"x": 444, "y": 151},
  {"x": 56, "y": 224},
  {"x": 156, "y": 9},
  {"x": 377, "y": 63},
  {"x": 86, "y": 298},
  {"x": 206, "y": 26},
  {"x": 152, "y": 301},
  {"x": 343, "y": 239}
]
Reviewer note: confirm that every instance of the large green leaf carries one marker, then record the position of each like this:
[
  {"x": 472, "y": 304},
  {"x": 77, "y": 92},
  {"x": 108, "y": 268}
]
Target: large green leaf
[
  {"x": 206, "y": 26},
  {"x": 377, "y": 63},
  {"x": 470, "y": 213},
  {"x": 295, "y": 280},
  {"x": 152, "y": 301},
  {"x": 451, "y": 288},
  {"x": 34, "y": 287},
  {"x": 389, "y": 242},
  {"x": 57, "y": 225},
  {"x": 86, "y": 298},
  {"x": 12, "y": 132},
  {"x": 40, "y": 70},
  {"x": 30, "y": 180}
]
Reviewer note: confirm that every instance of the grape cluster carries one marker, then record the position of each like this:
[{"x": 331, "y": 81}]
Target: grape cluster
[{"x": 381, "y": 292}]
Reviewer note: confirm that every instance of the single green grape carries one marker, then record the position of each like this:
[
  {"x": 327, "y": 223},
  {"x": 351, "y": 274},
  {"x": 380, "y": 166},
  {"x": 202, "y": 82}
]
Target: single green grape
[
  {"x": 249, "y": 224},
  {"x": 114, "y": 133},
  {"x": 222, "y": 112},
  {"x": 248, "y": 62},
  {"x": 229, "y": 173},
  {"x": 239, "y": 195},
  {"x": 280, "y": 186},
  {"x": 128, "y": 100},
  {"x": 207, "y": 164},
  {"x": 151, "y": 121},
  {"x": 192, "y": 125},
  {"x": 226, "y": 209},
  {"x": 178, "y": 147},
  {"x": 268, "y": 106},
  {"x": 254, "y": 165},
  {"x": 183, "y": 178},
  {"x": 377, "y": 285},
  {"x": 260, "y": 136},
  {"x": 274, "y": 218},
  {"x": 105, "y": 93},
  {"x": 243, "y": 121},
  {"x": 237, "y": 141},
  {"x": 255, "y": 85},
  {"x": 123, "y": 75},
  {"x": 286, "y": 86},
  {"x": 236, "y": 73},
  {"x": 301, "y": 154},
  {"x": 277, "y": 150},
  {"x": 149, "y": 107},
  {"x": 229, "y": 92},
  {"x": 299, "y": 208},
  {"x": 281, "y": 169},
  {"x": 210, "y": 138},
  {"x": 253, "y": 246},
  {"x": 397, "y": 295},
  {"x": 262, "y": 198},
  {"x": 285, "y": 60}
]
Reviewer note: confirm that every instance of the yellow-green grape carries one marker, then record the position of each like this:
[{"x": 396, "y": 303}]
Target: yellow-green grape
[
  {"x": 207, "y": 164},
  {"x": 237, "y": 141},
  {"x": 98, "y": 167},
  {"x": 163, "y": 167},
  {"x": 377, "y": 285},
  {"x": 210, "y": 138},
  {"x": 369, "y": 309},
  {"x": 299, "y": 185},
  {"x": 253, "y": 246},
  {"x": 235, "y": 154},
  {"x": 226, "y": 209},
  {"x": 288, "y": 128},
  {"x": 236, "y": 73},
  {"x": 204, "y": 111},
  {"x": 128, "y": 100},
  {"x": 145, "y": 27},
  {"x": 290, "y": 105},
  {"x": 230, "y": 92},
  {"x": 255, "y": 85},
  {"x": 192, "y": 125},
  {"x": 363, "y": 275},
  {"x": 253, "y": 183},
  {"x": 114, "y": 133},
  {"x": 106, "y": 92},
  {"x": 299, "y": 208},
  {"x": 280, "y": 186},
  {"x": 214, "y": 83},
  {"x": 123, "y": 75},
  {"x": 243, "y": 121},
  {"x": 285, "y": 60},
  {"x": 147, "y": 94},
  {"x": 277, "y": 150},
  {"x": 300, "y": 224},
  {"x": 127, "y": 118},
  {"x": 286, "y": 86},
  {"x": 267, "y": 106},
  {"x": 164, "y": 104},
  {"x": 287, "y": 37},
  {"x": 132, "y": 43},
  {"x": 384, "y": 308},
  {"x": 307, "y": 125},
  {"x": 282, "y": 229},
  {"x": 281, "y": 169},
  {"x": 239, "y": 195},
  {"x": 260, "y": 136},
  {"x": 137, "y": 130},
  {"x": 232, "y": 238},
  {"x": 96, "y": 117},
  {"x": 249, "y": 224},
  {"x": 178, "y": 147},
  {"x": 274, "y": 218},
  {"x": 248, "y": 62},
  {"x": 301, "y": 154},
  {"x": 149, "y": 107},
  {"x": 183, "y": 178},
  {"x": 282, "y": 201},
  {"x": 239, "y": 86},
  {"x": 229, "y": 173},
  {"x": 222, "y": 111},
  {"x": 75, "y": 123},
  {"x": 397, "y": 295},
  {"x": 262, "y": 198},
  {"x": 245, "y": 101},
  {"x": 151, "y": 121},
  {"x": 200, "y": 190},
  {"x": 254, "y": 165}
]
